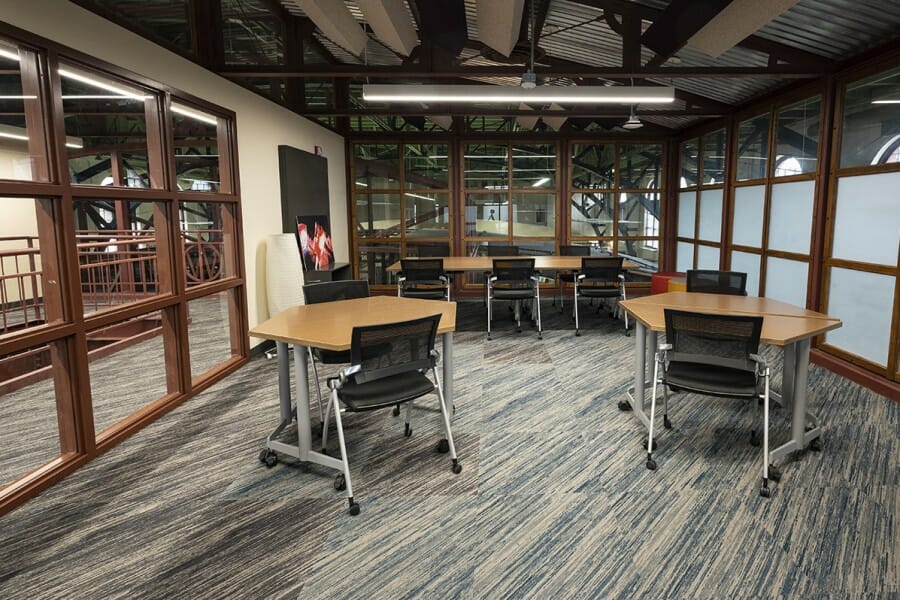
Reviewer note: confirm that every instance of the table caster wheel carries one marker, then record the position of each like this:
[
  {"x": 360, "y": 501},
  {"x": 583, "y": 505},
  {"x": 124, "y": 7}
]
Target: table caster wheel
[
  {"x": 816, "y": 445},
  {"x": 271, "y": 460},
  {"x": 754, "y": 439},
  {"x": 765, "y": 492},
  {"x": 396, "y": 411},
  {"x": 263, "y": 454},
  {"x": 340, "y": 484},
  {"x": 457, "y": 468},
  {"x": 651, "y": 464},
  {"x": 774, "y": 473},
  {"x": 354, "y": 508},
  {"x": 624, "y": 406},
  {"x": 667, "y": 423},
  {"x": 443, "y": 447}
]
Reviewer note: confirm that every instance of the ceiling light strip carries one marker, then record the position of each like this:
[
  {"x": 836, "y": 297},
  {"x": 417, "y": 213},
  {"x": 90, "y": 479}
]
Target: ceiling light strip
[{"x": 510, "y": 93}]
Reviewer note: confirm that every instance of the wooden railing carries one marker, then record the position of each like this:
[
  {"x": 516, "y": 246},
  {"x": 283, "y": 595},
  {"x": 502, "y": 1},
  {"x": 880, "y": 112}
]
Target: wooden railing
[
  {"x": 117, "y": 267},
  {"x": 21, "y": 299},
  {"x": 203, "y": 251}
]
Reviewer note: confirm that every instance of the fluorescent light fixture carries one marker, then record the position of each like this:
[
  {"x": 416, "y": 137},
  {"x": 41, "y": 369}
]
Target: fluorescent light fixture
[
  {"x": 19, "y": 133},
  {"x": 191, "y": 114},
  {"x": 100, "y": 84},
  {"x": 540, "y": 182},
  {"x": 10, "y": 55},
  {"x": 544, "y": 94},
  {"x": 886, "y": 101},
  {"x": 100, "y": 97},
  {"x": 18, "y": 97}
]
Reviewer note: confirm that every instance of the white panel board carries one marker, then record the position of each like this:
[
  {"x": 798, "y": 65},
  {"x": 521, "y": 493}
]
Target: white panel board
[
  {"x": 707, "y": 257},
  {"x": 749, "y": 206},
  {"x": 687, "y": 204},
  {"x": 867, "y": 218},
  {"x": 685, "y": 259},
  {"x": 864, "y": 302},
  {"x": 710, "y": 216},
  {"x": 748, "y": 263},
  {"x": 790, "y": 216},
  {"x": 786, "y": 280}
]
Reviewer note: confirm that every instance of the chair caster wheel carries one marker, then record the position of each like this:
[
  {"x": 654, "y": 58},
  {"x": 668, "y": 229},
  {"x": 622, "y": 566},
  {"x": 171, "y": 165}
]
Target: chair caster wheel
[
  {"x": 269, "y": 458},
  {"x": 667, "y": 423},
  {"x": 518, "y": 330},
  {"x": 627, "y": 333},
  {"x": 407, "y": 430},
  {"x": 654, "y": 445},
  {"x": 765, "y": 492},
  {"x": 816, "y": 445},
  {"x": 577, "y": 333},
  {"x": 624, "y": 406},
  {"x": 457, "y": 468},
  {"x": 354, "y": 508},
  {"x": 340, "y": 484},
  {"x": 540, "y": 336},
  {"x": 754, "y": 439},
  {"x": 396, "y": 411},
  {"x": 774, "y": 473},
  {"x": 651, "y": 464},
  {"x": 443, "y": 447}
]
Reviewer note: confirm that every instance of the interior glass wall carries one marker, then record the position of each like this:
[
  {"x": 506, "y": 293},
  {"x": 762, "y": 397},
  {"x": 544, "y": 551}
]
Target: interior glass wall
[{"x": 700, "y": 201}]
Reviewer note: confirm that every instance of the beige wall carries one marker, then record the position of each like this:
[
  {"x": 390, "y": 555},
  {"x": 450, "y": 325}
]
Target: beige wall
[{"x": 261, "y": 125}]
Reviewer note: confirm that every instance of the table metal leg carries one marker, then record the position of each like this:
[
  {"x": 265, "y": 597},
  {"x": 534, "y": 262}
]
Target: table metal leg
[
  {"x": 636, "y": 396},
  {"x": 794, "y": 388},
  {"x": 448, "y": 373}
]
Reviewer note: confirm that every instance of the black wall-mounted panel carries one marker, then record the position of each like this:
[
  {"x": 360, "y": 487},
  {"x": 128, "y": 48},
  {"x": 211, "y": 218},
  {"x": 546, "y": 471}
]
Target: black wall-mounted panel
[{"x": 304, "y": 185}]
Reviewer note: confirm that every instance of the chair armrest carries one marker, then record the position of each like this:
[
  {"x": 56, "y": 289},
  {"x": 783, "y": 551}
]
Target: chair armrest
[
  {"x": 580, "y": 276},
  {"x": 401, "y": 279},
  {"x": 344, "y": 374},
  {"x": 622, "y": 277},
  {"x": 492, "y": 279},
  {"x": 536, "y": 278},
  {"x": 761, "y": 365},
  {"x": 435, "y": 355},
  {"x": 444, "y": 278},
  {"x": 664, "y": 347}
]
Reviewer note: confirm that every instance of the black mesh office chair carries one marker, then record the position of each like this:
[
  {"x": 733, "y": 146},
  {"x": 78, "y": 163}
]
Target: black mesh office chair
[
  {"x": 715, "y": 355},
  {"x": 388, "y": 365},
  {"x": 600, "y": 277},
  {"x": 514, "y": 279},
  {"x": 732, "y": 283},
  {"x": 495, "y": 250},
  {"x": 330, "y": 291},
  {"x": 423, "y": 278},
  {"x": 564, "y": 277}
]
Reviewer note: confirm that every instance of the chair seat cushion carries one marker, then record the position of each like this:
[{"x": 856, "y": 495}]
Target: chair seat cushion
[
  {"x": 331, "y": 357},
  {"x": 385, "y": 392},
  {"x": 713, "y": 380},
  {"x": 513, "y": 290}
]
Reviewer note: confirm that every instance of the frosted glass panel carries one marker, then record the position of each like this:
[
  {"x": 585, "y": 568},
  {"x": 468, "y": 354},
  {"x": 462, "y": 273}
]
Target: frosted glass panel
[
  {"x": 710, "y": 215},
  {"x": 707, "y": 257},
  {"x": 790, "y": 216},
  {"x": 749, "y": 264},
  {"x": 685, "y": 257},
  {"x": 867, "y": 218},
  {"x": 687, "y": 204},
  {"x": 864, "y": 302},
  {"x": 786, "y": 280},
  {"x": 749, "y": 203}
]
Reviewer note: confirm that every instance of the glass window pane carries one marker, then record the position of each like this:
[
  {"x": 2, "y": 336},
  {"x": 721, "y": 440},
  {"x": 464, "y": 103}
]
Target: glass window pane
[
  {"x": 864, "y": 303},
  {"x": 867, "y": 218},
  {"x": 319, "y": 92},
  {"x": 592, "y": 214},
  {"x": 640, "y": 166},
  {"x": 207, "y": 237},
  {"x": 210, "y": 331},
  {"x": 791, "y": 216},
  {"x": 639, "y": 214},
  {"x": 753, "y": 148},
  {"x": 786, "y": 280},
  {"x": 593, "y": 166},
  {"x": 688, "y": 153},
  {"x": 486, "y": 166},
  {"x": 534, "y": 215},
  {"x": 710, "y": 225},
  {"x": 747, "y": 226},
  {"x": 487, "y": 215},
  {"x": 645, "y": 252},
  {"x": 426, "y": 166},
  {"x": 114, "y": 352},
  {"x": 687, "y": 214},
  {"x": 376, "y": 166},
  {"x": 106, "y": 129},
  {"x": 29, "y": 269},
  {"x": 534, "y": 166},
  {"x": 117, "y": 253},
  {"x": 427, "y": 214},
  {"x": 28, "y": 411},
  {"x": 797, "y": 137},
  {"x": 378, "y": 215},
  {"x": 196, "y": 149},
  {"x": 745, "y": 262},
  {"x": 714, "y": 149},
  {"x": 252, "y": 34},
  {"x": 374, "y": 259},
  {"x": 535, "y": 248},
  {"x": 870, "y": 133},
  {"x": 21, "y": 152}
]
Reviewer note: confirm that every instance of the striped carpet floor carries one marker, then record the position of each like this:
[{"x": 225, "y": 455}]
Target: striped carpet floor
[{"x": 553, "y": 500}]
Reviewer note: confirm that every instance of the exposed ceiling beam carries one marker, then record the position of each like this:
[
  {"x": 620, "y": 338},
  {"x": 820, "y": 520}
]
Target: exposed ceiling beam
[
  {"x": 596, "y": 111},
  {"x": 680, "y": 20},
  {"x": 776, "y": 71}
]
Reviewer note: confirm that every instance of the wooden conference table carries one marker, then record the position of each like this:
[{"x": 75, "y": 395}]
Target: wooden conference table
[
  {"x": 785, "y": 325},
  {"x": 484, "y": 264},
  {"x": 329, "y": 326}
]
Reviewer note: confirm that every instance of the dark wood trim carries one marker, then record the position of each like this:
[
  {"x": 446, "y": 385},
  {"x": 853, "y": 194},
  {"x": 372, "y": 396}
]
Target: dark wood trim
[{"x": 864, "y": 377}]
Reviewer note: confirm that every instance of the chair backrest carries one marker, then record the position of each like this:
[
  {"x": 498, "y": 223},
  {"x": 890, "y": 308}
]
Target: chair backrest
[
  {"x": 393, "y": 348},
  {"x": 574, "y": 250},
  {"x": 600, "y": 269},
  {"x": 330, "y": 291},
  {"x": 493, "y": 250},
  {"x": 433, "y": 250},
  {"x": 513, "y": 269},
  {"x": 717, "y": 282},
  {"x": 715, "y": 337},
  {"x": 422, "y": 269}
]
